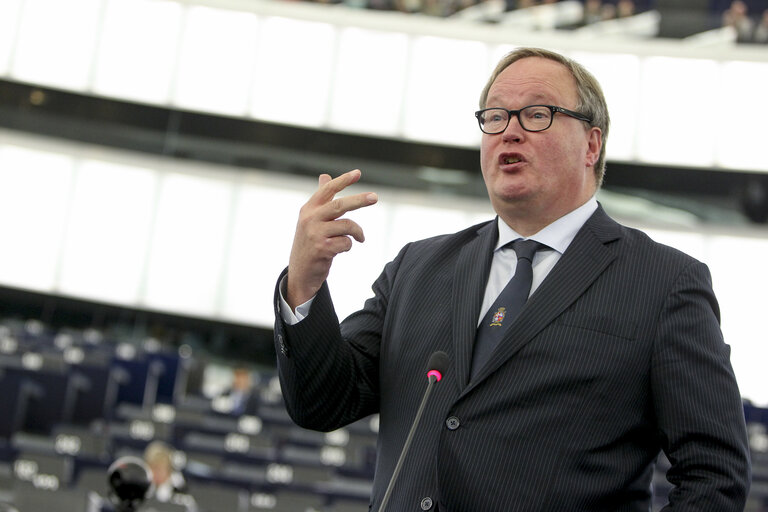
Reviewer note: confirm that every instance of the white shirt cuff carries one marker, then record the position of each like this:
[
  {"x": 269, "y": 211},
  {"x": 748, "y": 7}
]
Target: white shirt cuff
[{"x": 290, "y": 317}]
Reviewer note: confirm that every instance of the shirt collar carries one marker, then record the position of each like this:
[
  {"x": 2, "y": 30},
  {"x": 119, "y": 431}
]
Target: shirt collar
[{"x": 557, "y": 235}]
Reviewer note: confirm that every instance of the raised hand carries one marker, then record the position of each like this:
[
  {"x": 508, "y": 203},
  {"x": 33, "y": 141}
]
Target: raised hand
[{"x": 321, "y": 234}]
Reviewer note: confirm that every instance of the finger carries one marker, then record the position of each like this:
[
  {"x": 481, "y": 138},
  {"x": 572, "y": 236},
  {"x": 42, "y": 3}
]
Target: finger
[
  {"x": 326, "y": 248},
  {"x": 330, "y": 187},
  {"x": 323, "y": 179},
  {"x": 341, "y": 205},
  {"x": 344, "y": 227},
  {"x": 338, "y": 244}
]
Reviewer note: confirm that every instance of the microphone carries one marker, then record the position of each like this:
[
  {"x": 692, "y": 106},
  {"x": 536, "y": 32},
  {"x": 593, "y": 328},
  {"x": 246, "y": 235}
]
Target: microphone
[
  {"x": 438, "y": 362},
  {"x": 130, "y": 482}
]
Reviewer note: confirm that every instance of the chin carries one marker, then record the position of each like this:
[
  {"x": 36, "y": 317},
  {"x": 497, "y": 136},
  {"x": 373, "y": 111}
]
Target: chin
[
  {"x": 509, "y": 203},
  {"x": 513, "y": 194}
]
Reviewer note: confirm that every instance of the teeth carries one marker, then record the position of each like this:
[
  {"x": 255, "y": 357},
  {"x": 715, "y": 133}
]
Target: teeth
[{"x": 511, "y": 160}]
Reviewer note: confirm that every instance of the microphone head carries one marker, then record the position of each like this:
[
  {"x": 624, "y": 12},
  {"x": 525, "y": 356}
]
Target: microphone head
[
  {"x": 438, "y": 363},
  {"x": 130, "y": 481}
]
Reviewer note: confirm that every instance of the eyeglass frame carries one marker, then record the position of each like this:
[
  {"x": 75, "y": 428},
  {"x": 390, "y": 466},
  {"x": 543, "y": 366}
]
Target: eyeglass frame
[{"x": 516, "y": 113}]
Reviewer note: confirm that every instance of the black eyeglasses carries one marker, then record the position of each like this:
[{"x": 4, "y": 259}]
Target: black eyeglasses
[{"x": 533, "y": 118}]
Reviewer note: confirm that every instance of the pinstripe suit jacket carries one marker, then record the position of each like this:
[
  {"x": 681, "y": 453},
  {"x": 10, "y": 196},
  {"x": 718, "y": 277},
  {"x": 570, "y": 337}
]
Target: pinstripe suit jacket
[{"x": 617, "y": 354}]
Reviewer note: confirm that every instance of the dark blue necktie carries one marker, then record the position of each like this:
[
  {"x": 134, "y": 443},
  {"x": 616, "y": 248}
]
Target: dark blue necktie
[{"x": 508, "y": 304}]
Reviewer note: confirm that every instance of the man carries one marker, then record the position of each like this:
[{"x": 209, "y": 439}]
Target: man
[
  {"x": 240, "y": 398},
  {"x": 167, "y": 480},
  {"x": 616, "y": 355}
]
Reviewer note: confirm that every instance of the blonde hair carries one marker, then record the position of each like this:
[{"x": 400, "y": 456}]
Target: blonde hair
[{"x": 157, "y": 452}]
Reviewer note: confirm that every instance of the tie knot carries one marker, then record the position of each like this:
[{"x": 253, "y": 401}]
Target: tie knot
[{"x": 525, "y": 249}]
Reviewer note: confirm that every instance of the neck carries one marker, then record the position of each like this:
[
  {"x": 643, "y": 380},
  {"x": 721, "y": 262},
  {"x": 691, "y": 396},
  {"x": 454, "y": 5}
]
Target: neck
[{"x": 528, "y": 222}]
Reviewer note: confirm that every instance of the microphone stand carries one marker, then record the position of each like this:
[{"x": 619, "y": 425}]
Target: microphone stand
[{"x": 434, "y": 376}]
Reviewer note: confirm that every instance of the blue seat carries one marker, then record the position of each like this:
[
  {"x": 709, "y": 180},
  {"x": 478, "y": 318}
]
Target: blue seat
[{"x": 32, "y": 400}]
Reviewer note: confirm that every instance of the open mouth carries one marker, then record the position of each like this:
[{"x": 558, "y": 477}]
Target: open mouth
[{"x": 510, "y": 159}]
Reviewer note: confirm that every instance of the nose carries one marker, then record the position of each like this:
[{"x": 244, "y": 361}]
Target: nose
[{"x": 514, "y": 132}]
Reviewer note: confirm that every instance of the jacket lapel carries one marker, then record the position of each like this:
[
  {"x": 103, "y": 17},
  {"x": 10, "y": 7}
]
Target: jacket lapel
[
  {"x": 583, "y": 262},
  {"x": 469, "y": 281}
]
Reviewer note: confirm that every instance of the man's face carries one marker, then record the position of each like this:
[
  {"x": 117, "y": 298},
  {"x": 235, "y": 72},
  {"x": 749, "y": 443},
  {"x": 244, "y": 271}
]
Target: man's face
[
  {"x": 242, "y": 380},
  {"x": 541, "y": 175},
  {"x": 161, "y": 472}
]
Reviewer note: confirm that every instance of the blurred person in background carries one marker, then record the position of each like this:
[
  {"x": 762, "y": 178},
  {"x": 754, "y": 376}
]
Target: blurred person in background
[
  {"x": 241, "y": 397},
  {"x": 761, "y": 30},
  {"x": 168, "y": 481},
  {"x": 592, "y": 11},
  {"x": 607, "y": 11},
  {"x": 737, "y": 16},
  {"x": 625, "y": 8}
]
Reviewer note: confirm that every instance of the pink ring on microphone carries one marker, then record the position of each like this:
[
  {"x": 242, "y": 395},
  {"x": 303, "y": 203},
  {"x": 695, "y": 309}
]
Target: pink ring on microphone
[{"x": 436, "y": 373}]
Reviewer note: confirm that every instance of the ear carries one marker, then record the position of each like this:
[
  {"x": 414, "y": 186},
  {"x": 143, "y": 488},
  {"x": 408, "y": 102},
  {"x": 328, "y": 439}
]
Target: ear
[{"x": 594, "y": 145}]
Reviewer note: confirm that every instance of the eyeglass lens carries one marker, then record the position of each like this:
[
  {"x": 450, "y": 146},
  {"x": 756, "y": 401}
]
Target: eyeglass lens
[{"x": 533, "y": 118}]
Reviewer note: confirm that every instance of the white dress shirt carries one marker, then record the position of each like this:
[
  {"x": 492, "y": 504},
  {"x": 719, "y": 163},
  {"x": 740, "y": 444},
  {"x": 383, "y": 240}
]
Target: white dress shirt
[{"x": 557, "y": 237}]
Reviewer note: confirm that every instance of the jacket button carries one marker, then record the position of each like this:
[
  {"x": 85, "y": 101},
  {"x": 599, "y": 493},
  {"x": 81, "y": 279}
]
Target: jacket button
[
  {"x": 452, "y": 423},
  {"x": 426, "y": 503}
]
